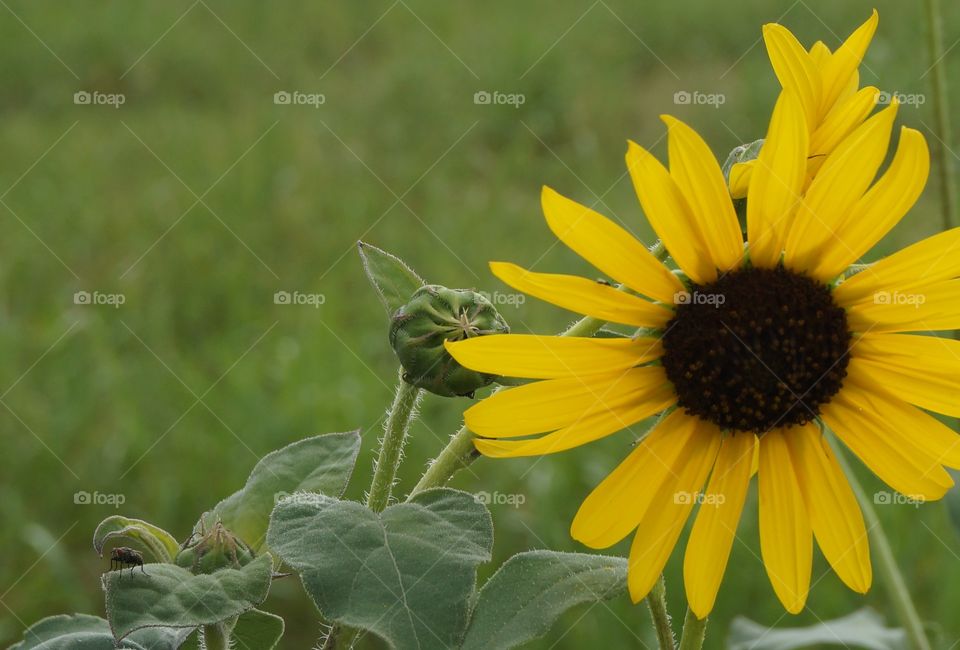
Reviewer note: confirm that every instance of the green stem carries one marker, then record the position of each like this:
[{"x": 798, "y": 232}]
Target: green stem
[
  {"x": 941, "y": 112},
  {"x": 885, "y": 561},
  {"x": 401, "y": 413},
  {"x": 657, "y": 602},
  {"x": 694, "y": 631},
  {"x": 215, "y": 637}
]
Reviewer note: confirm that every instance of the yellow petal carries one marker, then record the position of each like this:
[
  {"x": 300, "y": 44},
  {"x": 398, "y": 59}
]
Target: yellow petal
[
  {"x": 708, "y": 548},
  {"x": 794, "y": 68},
  {"x": 668, "y": 213},
  {"x": 553, "y": 403},
  {"x": 776, "y": 181},
  {"x": 841, "y": 182},
  {"x": 786, "y": 540},
  {"x": 819, "y": 54},
  {"x": 740, "y": 175},
  {"x": 891, "y": 455},
  {"x": 923, "y": 309},
  {"x": 845, "y": 61},
  {"x": 840, "y": 122},
  {"x": 608, "y": 247},
  {"x": 832, "y": 506},
  {"x": 929, "y": 261},
  {"x": 882, "y": 206},
  {"x": 583, "y": 430},
  {"x": 583, "y": 296},
  {"x": 697, "y": 174},
  {"x": 874, "y": 386},
  {"x": 551, "y": 357},
  {"x": 618, "y": 503},
  {"x": 661, "y": 525}
]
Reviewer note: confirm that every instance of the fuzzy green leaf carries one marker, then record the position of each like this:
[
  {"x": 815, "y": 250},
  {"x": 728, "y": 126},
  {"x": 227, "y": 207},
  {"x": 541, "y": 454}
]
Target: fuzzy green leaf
[
  {"x": 322, "y": 463},
  {"x": 82, "y": 632},
  {"x": 158, "y": 542},
  {"x": 393, "y": 280},
  {"x": 531, "y": 590},
  {"x": 406, "y": 575},
  {"x": 169, "y": 596},
  {"x": 862, "y": 629},
  {"x": 257, "y": 629}
]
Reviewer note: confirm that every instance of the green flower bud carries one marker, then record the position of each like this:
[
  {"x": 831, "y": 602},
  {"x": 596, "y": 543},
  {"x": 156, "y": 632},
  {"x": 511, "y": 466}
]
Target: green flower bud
[
  {"x": 435, "y": 314},
  {"x": 209, "y": 551}
]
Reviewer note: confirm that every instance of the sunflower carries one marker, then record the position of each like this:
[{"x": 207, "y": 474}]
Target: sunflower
[
  {"x": 828, "y": 85},
  {"x": 747, "y": 348}
]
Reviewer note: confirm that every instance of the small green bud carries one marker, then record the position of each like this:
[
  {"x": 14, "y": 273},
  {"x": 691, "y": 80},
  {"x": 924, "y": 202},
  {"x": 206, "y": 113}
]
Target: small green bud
[
  {"x": 209, "y": 551},
  {"x": 435, "y": 314}
]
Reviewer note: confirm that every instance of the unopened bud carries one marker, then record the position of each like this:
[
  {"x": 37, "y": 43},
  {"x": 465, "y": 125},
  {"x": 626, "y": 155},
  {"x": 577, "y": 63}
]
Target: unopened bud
[
  {"x": 207, "y": 551},
  {"x": 435, "y": 314}
]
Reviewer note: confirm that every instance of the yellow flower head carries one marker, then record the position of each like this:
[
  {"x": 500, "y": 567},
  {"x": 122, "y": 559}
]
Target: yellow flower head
[
  {"x": 747, "y": 350},
  {"x": 828, "y": 86}
]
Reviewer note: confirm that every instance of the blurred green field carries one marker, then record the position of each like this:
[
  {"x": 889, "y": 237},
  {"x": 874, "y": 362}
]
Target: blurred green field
[{"x": 199, "y": 198}]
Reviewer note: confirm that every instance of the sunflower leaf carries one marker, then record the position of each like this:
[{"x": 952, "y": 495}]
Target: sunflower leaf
[
  {"x": 393, "y": 280},
  {"x": 165, "y": 595},
  {"x": 531, "y": 590},
  {"x": 322, "y": 463},
  {"x": 862, "y": 629},
  {"x": 83, "y": 632},
  {"x": 161, "y": 544},
  {"x": 257, "y": 629},
  {"x": 406, "y": 574}
]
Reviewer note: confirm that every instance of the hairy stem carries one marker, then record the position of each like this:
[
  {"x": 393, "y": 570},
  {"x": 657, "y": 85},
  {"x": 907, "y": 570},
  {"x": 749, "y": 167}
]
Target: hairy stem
[
  {"x": 657, "y": 602},
  {"x": 401, "y": 414},
  {"x": 216, "y": 637},
  {"x": 941, "y": 113},
  {"x": 885, "y": 561},
  {"x": 694, "y": 631}
]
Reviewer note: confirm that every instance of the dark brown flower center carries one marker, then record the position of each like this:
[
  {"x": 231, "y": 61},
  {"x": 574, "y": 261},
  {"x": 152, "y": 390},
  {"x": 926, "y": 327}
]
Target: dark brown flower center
[{"x": 757, "y": 349}]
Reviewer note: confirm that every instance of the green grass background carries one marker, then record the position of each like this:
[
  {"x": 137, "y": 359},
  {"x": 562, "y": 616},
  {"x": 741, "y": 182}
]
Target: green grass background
[{"x": 103, "y": 199}]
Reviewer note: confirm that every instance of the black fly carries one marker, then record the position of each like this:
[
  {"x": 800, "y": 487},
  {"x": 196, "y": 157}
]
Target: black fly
[{"x": 122, "y": 557}]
